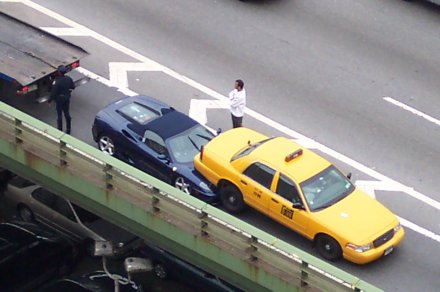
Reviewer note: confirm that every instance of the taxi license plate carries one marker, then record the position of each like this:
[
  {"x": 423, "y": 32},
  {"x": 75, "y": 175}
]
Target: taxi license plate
[{"x": 388, "y": 251}]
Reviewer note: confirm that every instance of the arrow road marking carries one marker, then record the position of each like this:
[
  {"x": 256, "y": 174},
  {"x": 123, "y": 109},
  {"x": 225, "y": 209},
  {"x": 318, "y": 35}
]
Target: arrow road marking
[
  {"x": 198, "y": 107},
  {"x": 118, "y": 70}
]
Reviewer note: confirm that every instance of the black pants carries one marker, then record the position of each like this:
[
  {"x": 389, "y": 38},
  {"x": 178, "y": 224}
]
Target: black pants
[
  {"x": 237, "y": 121},
  {"x": 63, "y": 107}
]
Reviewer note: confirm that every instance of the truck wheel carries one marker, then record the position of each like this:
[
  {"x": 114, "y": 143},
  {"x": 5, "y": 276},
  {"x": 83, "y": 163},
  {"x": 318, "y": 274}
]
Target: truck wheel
[
  {"x": 106, "y": 145},
  {"x": 232, "y": 198},
  {"x": 328, "y": 247}
]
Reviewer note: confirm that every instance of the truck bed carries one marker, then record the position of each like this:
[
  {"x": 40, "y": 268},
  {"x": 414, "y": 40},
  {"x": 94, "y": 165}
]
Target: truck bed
[{"x": 28, "y": 53}]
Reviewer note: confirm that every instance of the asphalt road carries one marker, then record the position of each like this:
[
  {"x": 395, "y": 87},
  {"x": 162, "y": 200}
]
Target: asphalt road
[{"x": 321, "y": 68}]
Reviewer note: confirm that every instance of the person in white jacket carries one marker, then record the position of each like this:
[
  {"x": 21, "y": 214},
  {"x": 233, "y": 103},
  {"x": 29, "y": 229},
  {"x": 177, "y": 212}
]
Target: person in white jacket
[{"x": 237, "y": 98}]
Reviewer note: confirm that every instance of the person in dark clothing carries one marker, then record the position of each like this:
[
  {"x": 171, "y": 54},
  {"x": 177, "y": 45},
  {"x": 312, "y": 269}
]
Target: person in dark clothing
[{"x": 62, "y": 86}]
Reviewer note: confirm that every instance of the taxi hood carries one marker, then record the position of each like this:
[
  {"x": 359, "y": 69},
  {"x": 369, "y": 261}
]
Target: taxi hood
[{"x": 358, "y": 218}]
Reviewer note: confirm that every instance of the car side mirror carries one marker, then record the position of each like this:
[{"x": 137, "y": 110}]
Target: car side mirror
[
  {"x": 219, "y": 130},
  {"x": 349, "y": 175},
  {"x": 298, "y": 205},
  {"x": 163, "y": 157}
]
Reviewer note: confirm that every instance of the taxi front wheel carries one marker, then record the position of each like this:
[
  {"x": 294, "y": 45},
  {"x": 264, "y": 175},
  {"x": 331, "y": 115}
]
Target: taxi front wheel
[
  {"x": 328, "y": 247},
  {"x": 231, "y": 198}
]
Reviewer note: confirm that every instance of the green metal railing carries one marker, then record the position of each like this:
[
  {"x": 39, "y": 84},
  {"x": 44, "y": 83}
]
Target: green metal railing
[{"x": 151, "y": 209}]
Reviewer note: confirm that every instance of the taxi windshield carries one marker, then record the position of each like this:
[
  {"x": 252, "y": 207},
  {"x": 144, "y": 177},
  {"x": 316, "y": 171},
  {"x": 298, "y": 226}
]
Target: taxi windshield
[{"x": 326, "y": 188}]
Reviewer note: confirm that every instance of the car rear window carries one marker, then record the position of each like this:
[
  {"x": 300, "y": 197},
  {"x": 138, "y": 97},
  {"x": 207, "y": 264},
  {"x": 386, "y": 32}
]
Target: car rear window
[{"x": 138, "y": 113}]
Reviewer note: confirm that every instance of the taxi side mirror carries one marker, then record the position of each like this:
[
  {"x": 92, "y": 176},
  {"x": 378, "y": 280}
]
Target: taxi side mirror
[
  {"x": 298, "y": 205},
  {"x": 349, "y": 175}
]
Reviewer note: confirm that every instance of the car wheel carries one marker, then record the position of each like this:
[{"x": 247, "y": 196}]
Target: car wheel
[
  {"x": 328, "y": 247},
  {"x": 231, "y": 198},
  {"x": 106, "y": 145},
  {"x": 181, "y": 184},
  {"x": 25, "y": 214},
  {"x": 160, "y": 271}
]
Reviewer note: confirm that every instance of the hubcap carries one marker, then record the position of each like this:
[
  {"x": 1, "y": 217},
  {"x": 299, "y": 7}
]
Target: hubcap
[
  {"x": 180, "y": 184},
  {"x": 232, "y": 199},
  {"x": 106, "y": 145}
]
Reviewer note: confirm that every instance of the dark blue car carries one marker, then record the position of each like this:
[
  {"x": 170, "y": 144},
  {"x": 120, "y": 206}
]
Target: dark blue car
[{"x": 157, "y": 139}]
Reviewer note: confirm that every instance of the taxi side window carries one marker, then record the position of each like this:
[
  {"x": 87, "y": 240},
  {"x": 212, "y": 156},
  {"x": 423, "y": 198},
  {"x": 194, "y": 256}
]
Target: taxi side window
[
  {"x": 260, "y": 173},
  {"x": 287, "y": 189}
]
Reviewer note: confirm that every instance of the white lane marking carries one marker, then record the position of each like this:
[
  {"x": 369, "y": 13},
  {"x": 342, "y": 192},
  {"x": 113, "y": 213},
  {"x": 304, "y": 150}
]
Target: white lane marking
[
  {"x": 64, "y": 31},
  {"x": 370, "y": 187},
  {"x": 256, "y": 115},
  {"x": 412, "y": 110},
  {"x": 419, "y": 229},
  {"x": 198, "y": 107},
  {"x": 118, "y": 70}
]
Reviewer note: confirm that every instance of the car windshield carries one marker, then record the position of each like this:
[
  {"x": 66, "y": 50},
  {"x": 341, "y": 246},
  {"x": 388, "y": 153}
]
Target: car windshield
[
  {"x": 184, "y": 146},
  {"x": 326, "y": 188}
]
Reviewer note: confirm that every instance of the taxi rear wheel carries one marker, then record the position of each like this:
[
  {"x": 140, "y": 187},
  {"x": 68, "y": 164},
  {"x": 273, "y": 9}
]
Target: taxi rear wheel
[
  {"x": 328, "y": 247},
  {"x": 231, "y": 198}
]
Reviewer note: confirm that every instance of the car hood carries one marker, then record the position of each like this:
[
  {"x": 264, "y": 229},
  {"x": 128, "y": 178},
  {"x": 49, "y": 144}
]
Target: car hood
[
  {"x": 358, "y": 218},
  {"x": 110, "y": 232}
]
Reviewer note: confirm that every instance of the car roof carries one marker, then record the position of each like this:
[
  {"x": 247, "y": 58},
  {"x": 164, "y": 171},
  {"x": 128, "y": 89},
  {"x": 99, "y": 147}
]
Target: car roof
[
  {"x": 274, "y": 153},
  {"x": 171, "y": 124}
]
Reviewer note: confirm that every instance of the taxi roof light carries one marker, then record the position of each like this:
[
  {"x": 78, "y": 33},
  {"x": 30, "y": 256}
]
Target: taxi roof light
[{"x": 293, "y": 155}]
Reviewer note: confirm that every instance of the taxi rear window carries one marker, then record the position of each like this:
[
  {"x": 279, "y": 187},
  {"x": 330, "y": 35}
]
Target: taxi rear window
[
  {"x": 138, "y": 112},
  {"x": 248, "y": 149}
]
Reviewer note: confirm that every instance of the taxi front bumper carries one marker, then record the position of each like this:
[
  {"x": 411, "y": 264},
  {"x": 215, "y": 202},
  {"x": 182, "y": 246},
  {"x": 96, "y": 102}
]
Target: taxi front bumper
[{"x": 374, "y": 253}]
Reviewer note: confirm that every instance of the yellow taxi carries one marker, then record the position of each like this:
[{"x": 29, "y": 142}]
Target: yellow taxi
[{"x": 300, "y": 190}]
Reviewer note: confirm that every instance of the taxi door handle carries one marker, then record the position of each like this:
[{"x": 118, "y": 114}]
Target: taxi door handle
[
  {"x": 274, "y": 200},
  {"x": 243, "y": 182}
]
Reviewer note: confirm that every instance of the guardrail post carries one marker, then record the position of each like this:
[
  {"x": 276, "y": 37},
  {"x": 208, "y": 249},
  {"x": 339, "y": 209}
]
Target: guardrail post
[
  {"x": 155, "y": 201},
  {"x": 304, "y": 274},
  {"x": 253, "y": 249},
  {"x": 18, "y": 132},
  {"x": 108, "y": 177},
  {"x": 63, "y": 153},
  {"x": 203, "y": 224}
]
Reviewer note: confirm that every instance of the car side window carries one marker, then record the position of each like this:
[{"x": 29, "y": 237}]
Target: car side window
[
  {"x": 260, "y": 173},
  {"x": 63, "y": 207},
  {"x": 155, "y": 142},
  {"x": 45, "y": 197},
  {"x": 20, "y": 182},
  {"x": 287, "y": 189}
]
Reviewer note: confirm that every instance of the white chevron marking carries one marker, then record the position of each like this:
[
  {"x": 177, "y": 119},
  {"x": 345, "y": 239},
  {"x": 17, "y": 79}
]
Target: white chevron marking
[
  {"x": 198, "y": 107},
  {"x": 118, "y": 70}
]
